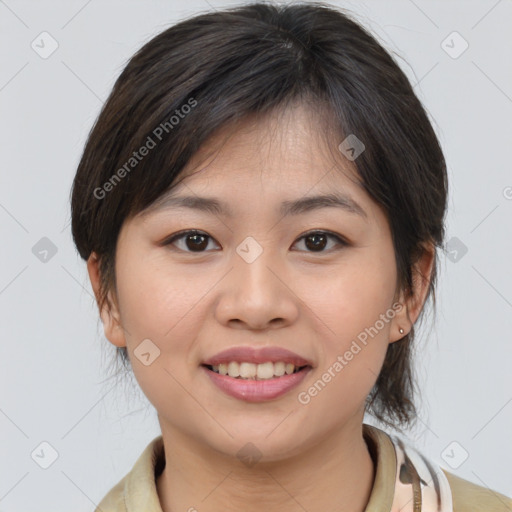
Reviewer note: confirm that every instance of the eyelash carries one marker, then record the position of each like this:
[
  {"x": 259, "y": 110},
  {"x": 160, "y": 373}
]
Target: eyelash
[{"x": 182, "y": 234}]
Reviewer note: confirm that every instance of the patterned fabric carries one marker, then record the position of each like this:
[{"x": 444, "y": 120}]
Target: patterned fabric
[{"x": 420, "y": 484}]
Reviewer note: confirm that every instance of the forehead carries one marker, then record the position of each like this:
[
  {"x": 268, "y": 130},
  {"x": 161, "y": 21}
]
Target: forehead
[
  {"x": 284, "y": 149},
  {"x": 286, "y": 163},
  {"x": 283, "y": 164}
]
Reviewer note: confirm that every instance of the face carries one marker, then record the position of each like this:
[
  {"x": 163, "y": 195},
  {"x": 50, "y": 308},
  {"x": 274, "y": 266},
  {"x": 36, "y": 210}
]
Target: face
[{"x": 315, "y": 279}]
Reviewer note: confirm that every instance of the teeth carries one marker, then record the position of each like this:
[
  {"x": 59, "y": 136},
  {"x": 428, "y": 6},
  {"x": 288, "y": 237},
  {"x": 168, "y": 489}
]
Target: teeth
[
  {"x": 279, "y": 369},
  {"x": 265, "y": 371},
  {"x": 253, "y": 371},
  {"x": 247, "y": 370},
  {"x": 233, "y": 369}
]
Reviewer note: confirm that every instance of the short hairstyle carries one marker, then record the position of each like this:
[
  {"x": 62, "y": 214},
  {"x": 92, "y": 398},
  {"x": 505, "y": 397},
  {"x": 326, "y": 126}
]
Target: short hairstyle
[{"x": 218, "y": 67}]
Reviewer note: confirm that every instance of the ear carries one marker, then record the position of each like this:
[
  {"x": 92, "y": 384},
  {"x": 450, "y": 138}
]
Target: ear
[
  {"x": 413, "y": 302},
  {"x": 109, "y": 314}
]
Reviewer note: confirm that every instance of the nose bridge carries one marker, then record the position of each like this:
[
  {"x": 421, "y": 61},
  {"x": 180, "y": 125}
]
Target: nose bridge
[
  {"x": 256, "y": 264},
  {"x": 256, "y": 293}
]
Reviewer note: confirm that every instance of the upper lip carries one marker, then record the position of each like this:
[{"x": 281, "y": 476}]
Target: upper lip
[{"x": 257, "y": 356}]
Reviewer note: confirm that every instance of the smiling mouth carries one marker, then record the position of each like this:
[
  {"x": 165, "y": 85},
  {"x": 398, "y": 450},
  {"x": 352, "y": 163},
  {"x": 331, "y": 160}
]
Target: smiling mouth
[{"x": 251, "y": 371}]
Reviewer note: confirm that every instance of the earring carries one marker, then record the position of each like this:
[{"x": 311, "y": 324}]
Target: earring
[{"x": 401, "y": 331}]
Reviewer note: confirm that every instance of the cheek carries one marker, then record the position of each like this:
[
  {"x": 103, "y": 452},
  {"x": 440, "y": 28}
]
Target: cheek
[
  {"x": 356, "y": 294},
  {"x": 353, "y": 350},
  {"x": 356, "y": 307},
  {"x": 155, "y": 300},
  {"x": 165, "y": 308}
]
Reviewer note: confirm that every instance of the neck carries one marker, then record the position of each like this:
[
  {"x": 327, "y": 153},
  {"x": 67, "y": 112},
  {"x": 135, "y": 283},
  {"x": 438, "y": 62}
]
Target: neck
[{"x": 335, "y": 474}]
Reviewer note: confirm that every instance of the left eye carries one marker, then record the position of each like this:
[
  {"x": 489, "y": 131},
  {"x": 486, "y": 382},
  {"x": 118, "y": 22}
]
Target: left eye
[
  {"x": 318, "y": 240},
  {"x": 197, "y": 241}
]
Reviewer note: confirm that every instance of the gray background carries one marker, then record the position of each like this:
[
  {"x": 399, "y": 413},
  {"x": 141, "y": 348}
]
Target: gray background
[{"x": 55, "y": 358}]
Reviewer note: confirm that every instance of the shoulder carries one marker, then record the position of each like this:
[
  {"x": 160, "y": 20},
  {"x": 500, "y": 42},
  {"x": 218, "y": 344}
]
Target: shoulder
[
  {"x": 137, "y": 489},
  {"x": 470, "y": 497},
  {"x": 114, "y": 499}
]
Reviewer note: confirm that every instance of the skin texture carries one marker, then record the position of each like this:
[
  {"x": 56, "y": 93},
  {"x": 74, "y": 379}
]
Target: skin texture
[{"x": 313, "y": 302}]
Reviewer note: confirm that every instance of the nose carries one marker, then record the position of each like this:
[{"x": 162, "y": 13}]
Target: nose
[{"x": 257, "y": 295}]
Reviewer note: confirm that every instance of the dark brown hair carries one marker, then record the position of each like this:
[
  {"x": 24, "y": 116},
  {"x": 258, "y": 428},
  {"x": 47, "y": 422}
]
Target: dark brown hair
[{"x": 222, "y": 66}]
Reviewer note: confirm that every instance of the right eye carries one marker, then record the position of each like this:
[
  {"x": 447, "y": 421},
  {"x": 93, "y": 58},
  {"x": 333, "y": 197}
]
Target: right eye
[{"x": 192, "y": 240}]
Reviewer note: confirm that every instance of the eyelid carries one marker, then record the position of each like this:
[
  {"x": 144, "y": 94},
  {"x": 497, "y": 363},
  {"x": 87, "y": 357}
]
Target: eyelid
[
  {"x": 179, "y": 234},
  {"x": 341, "y": 241}
]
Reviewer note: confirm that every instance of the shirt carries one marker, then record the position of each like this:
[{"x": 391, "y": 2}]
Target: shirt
[{"x": 405, "y": 481}]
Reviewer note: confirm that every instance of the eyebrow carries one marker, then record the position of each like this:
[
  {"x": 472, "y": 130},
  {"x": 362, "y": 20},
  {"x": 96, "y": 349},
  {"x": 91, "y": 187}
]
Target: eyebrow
[{"x": 295, "y": 207}]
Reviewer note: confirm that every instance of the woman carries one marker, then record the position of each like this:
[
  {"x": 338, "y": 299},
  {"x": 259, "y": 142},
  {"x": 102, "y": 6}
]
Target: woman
[{"x": 260, "y": 204}]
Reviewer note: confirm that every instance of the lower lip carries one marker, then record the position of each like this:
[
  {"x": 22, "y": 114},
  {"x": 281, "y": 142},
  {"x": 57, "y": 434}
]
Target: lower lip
[{"x": 257, "y": 390}]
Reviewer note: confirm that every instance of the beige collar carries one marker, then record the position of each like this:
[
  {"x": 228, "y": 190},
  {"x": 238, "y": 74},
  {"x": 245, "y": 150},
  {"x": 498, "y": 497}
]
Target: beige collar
[{"x": 140, "y": 492}]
